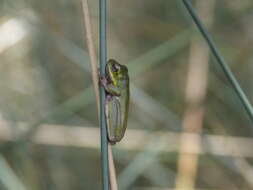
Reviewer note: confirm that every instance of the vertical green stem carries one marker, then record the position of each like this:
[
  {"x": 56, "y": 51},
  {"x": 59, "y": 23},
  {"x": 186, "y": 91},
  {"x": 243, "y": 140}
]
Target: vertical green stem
[
  {"x": 103, "y": 59},
  {"x": 236, "y": 86}
]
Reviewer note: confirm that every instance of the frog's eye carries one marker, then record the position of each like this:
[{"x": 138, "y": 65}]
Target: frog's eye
[{"x": 115, "y": 68}]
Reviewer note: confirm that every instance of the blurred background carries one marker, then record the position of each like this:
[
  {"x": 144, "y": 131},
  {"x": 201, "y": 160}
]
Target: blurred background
[{"x": 187, "y": 128}]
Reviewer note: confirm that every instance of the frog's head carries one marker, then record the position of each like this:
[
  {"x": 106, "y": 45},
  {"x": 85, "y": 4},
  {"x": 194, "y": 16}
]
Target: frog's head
[{"x": 116, "y": 71}]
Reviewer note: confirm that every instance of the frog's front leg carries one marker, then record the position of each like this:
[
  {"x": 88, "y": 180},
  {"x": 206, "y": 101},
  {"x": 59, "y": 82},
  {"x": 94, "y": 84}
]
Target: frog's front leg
[
  {"x": 103, "y": 81},
  {"x": 109, "y": 87}
]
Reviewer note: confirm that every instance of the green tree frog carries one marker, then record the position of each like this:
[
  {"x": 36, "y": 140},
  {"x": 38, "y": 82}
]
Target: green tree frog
[{"x": 116, "y": 84}]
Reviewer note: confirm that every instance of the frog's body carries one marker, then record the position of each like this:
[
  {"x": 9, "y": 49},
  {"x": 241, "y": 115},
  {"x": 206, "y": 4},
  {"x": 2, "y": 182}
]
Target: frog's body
[{"x": 116, "y": 84}]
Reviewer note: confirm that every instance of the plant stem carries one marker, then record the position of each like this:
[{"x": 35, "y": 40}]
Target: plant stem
[
  {"x": 236, "y": 86},
  {"x": 103, "y": 58}
]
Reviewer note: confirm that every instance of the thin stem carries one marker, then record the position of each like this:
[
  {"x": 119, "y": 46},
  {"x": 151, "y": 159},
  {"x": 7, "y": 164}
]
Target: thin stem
[
  {"x": 243, "y": 98},
  {"x": 113, "y": 177},
  {"x": 103, "y": 58},
  {"x": 95, "y": 79},
  {"x": 91, "y": 50}
]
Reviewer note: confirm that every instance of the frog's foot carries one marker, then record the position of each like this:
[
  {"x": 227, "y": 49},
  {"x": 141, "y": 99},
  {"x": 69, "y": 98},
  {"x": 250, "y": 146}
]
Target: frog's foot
[
  {"x": 111, "y": 141},
  {"x": 103, "y": 81}
]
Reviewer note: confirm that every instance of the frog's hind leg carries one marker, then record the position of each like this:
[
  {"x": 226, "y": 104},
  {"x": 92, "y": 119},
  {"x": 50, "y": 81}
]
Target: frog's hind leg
[{"x": 112, "y": 111}]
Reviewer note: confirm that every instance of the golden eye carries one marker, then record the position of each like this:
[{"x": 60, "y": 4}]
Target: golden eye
[{"x": 115, "y": 68}]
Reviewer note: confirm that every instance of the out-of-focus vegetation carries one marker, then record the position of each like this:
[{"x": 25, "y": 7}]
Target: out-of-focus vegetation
[{"x": 46, "y": 93}]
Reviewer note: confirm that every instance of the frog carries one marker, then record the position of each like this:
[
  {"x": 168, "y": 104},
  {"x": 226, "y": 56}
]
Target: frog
[{"x": 117, "y": 94}]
